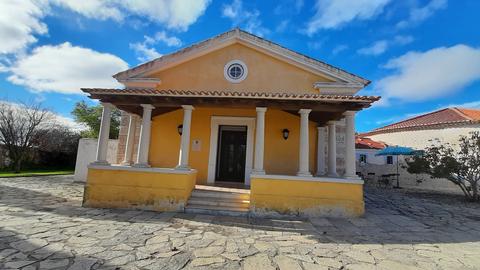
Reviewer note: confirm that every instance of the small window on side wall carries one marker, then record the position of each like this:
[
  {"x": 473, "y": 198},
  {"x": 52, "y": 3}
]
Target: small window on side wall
[
  {"x": 389, "y": 159},
  {"x": 363, "y": 158}
]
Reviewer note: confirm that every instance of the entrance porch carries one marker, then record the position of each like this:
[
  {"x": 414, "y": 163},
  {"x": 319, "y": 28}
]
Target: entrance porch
[{"x": 283, "y": 148}]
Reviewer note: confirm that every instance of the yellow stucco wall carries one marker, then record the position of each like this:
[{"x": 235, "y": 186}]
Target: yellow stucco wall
[
  {"x": 265, "y": 73},
  {"x": 138, "y": 189},
  {"x": 308, "y": 198},
  {"x": 281, "y": 156}
]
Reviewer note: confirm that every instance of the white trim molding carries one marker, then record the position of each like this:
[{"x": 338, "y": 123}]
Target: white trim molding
[
  {"x": 308, "y": 178},
  {"x": 216, "y": 121},
  {"x": 141, "y": 82},
  {"x": 140, "y": 169}
]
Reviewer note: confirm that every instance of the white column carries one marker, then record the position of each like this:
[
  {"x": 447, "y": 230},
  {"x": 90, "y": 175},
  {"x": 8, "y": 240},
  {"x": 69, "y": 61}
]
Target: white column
[
  {"x": 332, "y": 149},
  {"x": 185, "y": 143},
  {"x": 303, "y": 169},
  {"x": 320, "y": 151},
  {"x": 104, "y": 134},
  {"x": 350, "y": 170},
  {"x": 144, "y": 143},
  {"x": 127, "y": 159},
  {"x": 259, "y": 141}
]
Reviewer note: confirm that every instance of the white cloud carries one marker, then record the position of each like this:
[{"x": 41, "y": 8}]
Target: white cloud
[
  {"x": 65, "y": 69},
  {"x": 427, "y": 75},
  {"x": 381, "y": 46},
  {"x": 418, "y": 15},
  {"x": 93, "y": 9},
  {"x": 170, "y": 41},
  {"x": 331, "y": 14},
  {"x": 282, "y": 26},
  {"x": 175, "y": 14},
  {"x": 339, "y": 48},
  {"x": 376, "y": 48},
  {"x": 468, "y": 105},
  {"x": 19, "y": 22},
  {"x": 249, "y": 19},
  {"x": 145, "y": 51}
]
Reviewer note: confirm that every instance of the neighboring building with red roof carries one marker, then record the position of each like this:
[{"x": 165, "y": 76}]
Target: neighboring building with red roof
[
  {"x": 366, "y": 150},
  {"x": 447, "y": 125},
  {"x": 367, "y": 143}
]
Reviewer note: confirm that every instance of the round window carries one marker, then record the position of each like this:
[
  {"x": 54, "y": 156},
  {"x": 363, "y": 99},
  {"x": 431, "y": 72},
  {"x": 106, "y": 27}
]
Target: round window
[{"x": 235, "y": 71}]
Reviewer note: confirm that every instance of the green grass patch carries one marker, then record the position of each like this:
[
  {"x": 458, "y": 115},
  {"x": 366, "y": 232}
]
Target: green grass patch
[{"x": 26, "y": 173}]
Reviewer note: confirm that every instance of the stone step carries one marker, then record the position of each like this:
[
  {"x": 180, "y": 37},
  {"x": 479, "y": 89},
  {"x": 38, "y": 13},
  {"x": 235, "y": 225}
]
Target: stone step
[
  {"x": 234, "y": 203},
  {"x": 213, "y": 200},
  {"x": 220, "y": 195},
  {"x": 216, "y": 210}
]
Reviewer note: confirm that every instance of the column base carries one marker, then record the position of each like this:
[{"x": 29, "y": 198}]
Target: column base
[
  {"x": 183, "y": 168},
  {"x": 332, "y": 175},
  {"x": 259, "y": 172},
  {"x": 308, "y": 174},
  {"x": 100, "y": 162},
  {"x": 141, "y": 165},
  {"x": 352, "y": 177},
  {"x": 126, "y": 163}
]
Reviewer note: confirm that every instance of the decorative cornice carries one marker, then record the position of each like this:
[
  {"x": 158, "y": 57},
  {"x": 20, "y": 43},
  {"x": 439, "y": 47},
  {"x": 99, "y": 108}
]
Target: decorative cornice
[{"x": 230, "y": 94}]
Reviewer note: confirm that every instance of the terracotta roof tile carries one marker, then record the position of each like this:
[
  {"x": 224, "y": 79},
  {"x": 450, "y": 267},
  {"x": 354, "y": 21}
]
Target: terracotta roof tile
[
  {"x": 226, "y": 94},
  {"x": 472, "y": 114},
  {"x": 448, "y": 116},
  {"x": 367, "y": 143}
]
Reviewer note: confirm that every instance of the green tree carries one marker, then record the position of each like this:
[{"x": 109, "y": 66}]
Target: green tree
[
  {"x": 91, "y": 116},
  {"x": 459, "y": 164}
]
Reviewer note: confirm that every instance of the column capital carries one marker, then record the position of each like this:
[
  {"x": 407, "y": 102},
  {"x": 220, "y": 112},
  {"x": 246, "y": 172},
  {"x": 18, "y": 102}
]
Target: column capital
[
  {"x": 107, "y": 105},
  {"x": 147, "y": 106},
  {"x": 331, "y": 123},
  {"x": 188, "y": 107},
  {"x": 349, "y": 113},
  {"x": 304, "y": 111},
  {"x": 320, "y": 128},
  {"x": 261, "y": 109}
]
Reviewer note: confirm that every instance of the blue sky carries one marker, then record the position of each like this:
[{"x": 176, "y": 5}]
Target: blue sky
[{"x": 421, "y": 55}]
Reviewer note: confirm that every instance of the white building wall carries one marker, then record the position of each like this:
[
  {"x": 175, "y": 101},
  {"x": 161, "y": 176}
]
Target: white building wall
[
  {"x": 86, "y": 154},
  {"x": 420, "y": 139},
  {"x": 371, "y": 158}
]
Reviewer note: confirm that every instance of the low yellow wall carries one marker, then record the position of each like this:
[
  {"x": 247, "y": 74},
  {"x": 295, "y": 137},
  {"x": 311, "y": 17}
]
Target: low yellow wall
[
  {"x": 160, "y": 191},
  {"x": 305, "y": 198}
]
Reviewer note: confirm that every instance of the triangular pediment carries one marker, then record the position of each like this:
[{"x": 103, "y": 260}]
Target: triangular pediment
[{"x": 330, "y": 77}]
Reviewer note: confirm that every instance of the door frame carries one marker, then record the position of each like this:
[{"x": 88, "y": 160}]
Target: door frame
[{"x": 216, "y": 122}]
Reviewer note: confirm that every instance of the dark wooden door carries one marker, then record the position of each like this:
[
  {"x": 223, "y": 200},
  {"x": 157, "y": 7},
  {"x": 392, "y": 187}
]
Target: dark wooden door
[{"x": 232, "y": 146}]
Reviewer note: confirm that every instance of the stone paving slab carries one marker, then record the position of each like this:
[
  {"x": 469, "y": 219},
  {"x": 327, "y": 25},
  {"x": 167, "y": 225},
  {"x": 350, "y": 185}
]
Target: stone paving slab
[{"x": 43, "y": 226}]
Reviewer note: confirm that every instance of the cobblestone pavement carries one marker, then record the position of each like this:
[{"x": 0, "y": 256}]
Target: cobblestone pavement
[{"x": 43, "y": 226}]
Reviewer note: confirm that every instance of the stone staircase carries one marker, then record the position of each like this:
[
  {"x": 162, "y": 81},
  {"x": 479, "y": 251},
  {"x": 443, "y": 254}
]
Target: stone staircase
[{"x": 214, "y": 200}]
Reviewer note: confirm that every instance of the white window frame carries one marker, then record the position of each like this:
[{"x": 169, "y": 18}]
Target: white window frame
[{"x": 244, "y": 75}]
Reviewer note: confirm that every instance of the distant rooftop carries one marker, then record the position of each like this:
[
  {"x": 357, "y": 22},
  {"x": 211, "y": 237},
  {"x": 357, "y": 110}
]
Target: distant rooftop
[
  {"x": 366, "y": 143},
  {"x": 443, "y": 117}
]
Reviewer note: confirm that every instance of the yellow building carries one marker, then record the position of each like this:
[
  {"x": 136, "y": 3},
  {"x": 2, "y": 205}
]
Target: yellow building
[{"x": 235, "y": 124}]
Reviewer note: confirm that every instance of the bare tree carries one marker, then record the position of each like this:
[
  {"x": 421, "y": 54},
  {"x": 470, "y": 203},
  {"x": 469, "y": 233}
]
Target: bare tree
[
  {"x": 459, "y": 164},
  {"x": 21, "y": 127}
]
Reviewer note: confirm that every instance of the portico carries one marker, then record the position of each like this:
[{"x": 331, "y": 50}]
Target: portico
[{"x": 292, "y": 148}]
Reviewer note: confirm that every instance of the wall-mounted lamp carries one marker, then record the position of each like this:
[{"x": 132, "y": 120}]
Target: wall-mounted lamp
[
  {"x": 180, "y": 129},
  {"x": 285, "y": 133}
]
